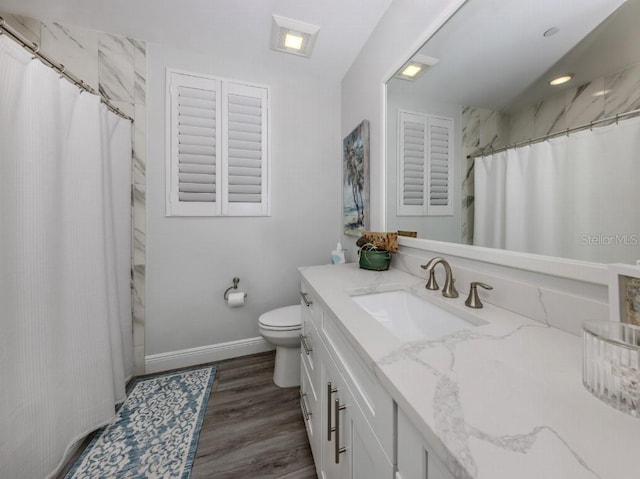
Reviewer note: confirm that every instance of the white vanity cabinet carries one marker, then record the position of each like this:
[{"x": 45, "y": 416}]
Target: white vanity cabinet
[
  {"x": 348, "y": 415},
  {"x": 415, "y": 460},
  {"x": 310, "y": 383}
]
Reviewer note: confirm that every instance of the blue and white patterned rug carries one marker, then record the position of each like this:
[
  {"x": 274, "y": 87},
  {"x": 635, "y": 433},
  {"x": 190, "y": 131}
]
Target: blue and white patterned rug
[{"x": 155, "y": 432}]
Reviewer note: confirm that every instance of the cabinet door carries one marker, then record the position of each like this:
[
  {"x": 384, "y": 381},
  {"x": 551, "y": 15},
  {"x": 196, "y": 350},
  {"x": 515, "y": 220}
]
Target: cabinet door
[
  {"x": 332, "y": 388},
  {"x": 415, "y": 461},
  {"x": 351, "y": 448}
]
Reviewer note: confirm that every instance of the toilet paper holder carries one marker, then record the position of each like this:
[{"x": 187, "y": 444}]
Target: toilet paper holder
[{"x": 235, "y": 286}]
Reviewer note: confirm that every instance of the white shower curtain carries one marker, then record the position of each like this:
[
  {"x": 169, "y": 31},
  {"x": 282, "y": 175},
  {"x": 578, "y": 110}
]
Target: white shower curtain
[
  {"x": 574, "y": 196},
  {"x": 65, "y": 324}
]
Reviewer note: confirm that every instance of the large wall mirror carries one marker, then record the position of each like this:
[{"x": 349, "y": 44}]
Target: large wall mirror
[{"x": 482, "y": 150}]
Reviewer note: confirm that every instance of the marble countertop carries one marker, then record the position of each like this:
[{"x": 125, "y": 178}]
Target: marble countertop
[{"x": 501, "y": 400}]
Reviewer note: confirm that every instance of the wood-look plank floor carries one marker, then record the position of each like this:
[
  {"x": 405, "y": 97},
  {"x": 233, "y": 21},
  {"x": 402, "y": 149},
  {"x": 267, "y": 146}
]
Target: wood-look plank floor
[{"x": 252, "y": 428}]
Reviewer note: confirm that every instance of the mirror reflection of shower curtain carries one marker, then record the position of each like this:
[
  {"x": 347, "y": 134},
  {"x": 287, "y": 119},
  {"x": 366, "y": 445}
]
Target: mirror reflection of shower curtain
[
  {"x": 65, "y": 323},
  {"x": 575, "y": 196}
]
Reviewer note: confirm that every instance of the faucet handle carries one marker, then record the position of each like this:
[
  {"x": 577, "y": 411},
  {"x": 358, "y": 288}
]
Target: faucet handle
[
  {"x": 473, "y": 300},
  {"x": 432, "y": 284}
]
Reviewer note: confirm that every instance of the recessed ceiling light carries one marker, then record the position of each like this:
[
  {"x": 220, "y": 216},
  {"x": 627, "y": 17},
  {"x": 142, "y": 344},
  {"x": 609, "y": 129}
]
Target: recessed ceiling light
[
  {"x": 293, "y": 41},
  {"x": 559, "y": 80},
  {"x": 415, "y": 67},
  {"x": 292, "y": 36}
]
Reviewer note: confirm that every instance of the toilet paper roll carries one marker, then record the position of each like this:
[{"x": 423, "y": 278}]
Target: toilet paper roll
[{"x": 235, "y": 299}]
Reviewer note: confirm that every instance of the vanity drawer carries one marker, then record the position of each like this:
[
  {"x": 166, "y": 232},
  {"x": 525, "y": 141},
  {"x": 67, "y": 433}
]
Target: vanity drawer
[
  {"x": 375, "y": 403},
  {"x": 310, "y": 305},
  {"x": 309, "y": 347}
]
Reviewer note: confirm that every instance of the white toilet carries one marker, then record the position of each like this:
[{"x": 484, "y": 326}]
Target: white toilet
[{"x": 281, "y": 327}]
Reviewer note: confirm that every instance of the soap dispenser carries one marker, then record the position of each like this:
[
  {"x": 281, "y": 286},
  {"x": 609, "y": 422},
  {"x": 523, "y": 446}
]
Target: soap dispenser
[{"x": 337, "y": 255}]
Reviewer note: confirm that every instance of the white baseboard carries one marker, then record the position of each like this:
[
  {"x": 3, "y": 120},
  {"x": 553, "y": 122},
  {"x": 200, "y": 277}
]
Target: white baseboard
[{"x": 205, "y": 354}]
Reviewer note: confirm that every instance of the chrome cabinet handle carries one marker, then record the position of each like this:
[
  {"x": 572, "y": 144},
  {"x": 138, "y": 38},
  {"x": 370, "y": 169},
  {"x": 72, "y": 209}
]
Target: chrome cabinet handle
[
  {"x": 307, "y": 303},
  {"x": 330, "y": 391},
  {"x": 307, "y": 349},
  {"x": 303, "y": 403},
  {"x": 339, "y": 450}
]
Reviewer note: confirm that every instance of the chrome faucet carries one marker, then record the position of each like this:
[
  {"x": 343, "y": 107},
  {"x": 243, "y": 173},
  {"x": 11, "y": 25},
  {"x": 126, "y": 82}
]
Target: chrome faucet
[{"x": 449, "y": 290}]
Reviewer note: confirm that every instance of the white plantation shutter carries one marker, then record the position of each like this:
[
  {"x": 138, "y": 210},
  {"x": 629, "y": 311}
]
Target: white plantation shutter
[
  {"x": 411, "y": 167},
  {"x": 217, "y": 157},
  {"x": 245, "y": 150},
  {"x": 425, "y": 166},
  {"x": 440, "y": 166}
]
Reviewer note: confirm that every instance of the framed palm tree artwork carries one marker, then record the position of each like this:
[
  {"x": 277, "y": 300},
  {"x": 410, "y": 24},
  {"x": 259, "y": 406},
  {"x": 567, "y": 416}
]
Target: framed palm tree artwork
[{"x": 355, "y": 180}]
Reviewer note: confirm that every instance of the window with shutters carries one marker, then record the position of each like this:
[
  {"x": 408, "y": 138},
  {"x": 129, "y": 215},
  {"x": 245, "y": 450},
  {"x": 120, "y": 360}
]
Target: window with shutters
[
  {"x": 425, "y": 166},
  {"x": 217, "y": 152}
]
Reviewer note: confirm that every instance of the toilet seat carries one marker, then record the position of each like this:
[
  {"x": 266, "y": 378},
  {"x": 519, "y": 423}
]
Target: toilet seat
[{"x": 281, "y": 319}]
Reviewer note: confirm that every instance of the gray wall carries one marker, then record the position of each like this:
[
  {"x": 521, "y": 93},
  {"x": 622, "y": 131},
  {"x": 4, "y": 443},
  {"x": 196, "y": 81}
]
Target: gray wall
[{"x": 191, "y": 261}]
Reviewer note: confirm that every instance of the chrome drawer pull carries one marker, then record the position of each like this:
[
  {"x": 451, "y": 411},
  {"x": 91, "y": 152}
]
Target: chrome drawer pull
[
  {"x": 307, "y": 349},
  {"x": 339, "y": 450},
  {"x": 305, "y": 299},
  {"x": 303, "y": 403},
  {"x": 330, "y": 391}
]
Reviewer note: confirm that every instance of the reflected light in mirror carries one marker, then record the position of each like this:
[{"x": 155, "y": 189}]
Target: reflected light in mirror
[
  {"x": 560, "y": 80},
  {"x": 412, "y": 70}
]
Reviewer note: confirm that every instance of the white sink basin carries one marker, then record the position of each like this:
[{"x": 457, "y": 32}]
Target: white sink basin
[{"x": 410, "y": 317}]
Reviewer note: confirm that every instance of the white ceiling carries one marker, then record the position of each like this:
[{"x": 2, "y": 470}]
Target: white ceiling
[
  {"x": 240, "y": 28},
  {"x": 491, "y": 51}
]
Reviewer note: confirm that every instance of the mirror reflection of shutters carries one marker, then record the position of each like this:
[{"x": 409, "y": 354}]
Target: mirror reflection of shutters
[
  {"x": 414, "y": 155},
  {"x": 440, "y": 166},
  {"x": 196, "y": 109},
  {"x": 425, "y": 166}
]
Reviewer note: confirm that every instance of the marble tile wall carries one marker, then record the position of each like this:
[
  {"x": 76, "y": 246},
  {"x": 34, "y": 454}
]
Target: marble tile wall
[
  {"x": 116, "y": 67},
  {"x": 603, "y": 97}
]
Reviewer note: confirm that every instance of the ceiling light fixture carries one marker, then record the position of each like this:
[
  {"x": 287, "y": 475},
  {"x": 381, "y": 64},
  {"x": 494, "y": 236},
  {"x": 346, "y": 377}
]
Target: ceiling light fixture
[
  {"x": 415, "y": 67},
  {"x": 292, "y": 36},
  {"x": 559, "y": 80},
  {"x": 293, "y": 41}
]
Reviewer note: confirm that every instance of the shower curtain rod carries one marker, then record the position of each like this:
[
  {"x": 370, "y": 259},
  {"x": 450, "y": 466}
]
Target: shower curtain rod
[
  {"x": 555, "y": 135},
  {"x": 34, "y": 49}
]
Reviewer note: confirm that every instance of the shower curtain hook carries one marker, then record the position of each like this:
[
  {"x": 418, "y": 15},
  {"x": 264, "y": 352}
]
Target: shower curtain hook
[
  {"x": 591, "y": 125},
  {"x": 62, "y": 70},
  {"x": 35, "y": 51},
  {"x": 617, "y": 119}
]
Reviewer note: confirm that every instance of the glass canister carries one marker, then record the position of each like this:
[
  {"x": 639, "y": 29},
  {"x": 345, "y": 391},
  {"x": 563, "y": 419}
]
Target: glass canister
[{"x": 611, "y": 363}]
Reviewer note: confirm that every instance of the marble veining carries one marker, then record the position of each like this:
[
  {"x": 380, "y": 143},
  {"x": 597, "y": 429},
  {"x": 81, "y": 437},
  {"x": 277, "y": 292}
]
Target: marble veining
[
  {"x": 499, "y": 400},
  {"x": 117, "y": 75},
  {"x": 585, "y": 103},
  {"x": 548, "y": 116},
  {"x": 545, "y": 317},
  {"x": 27, "y": 27},
  {"x": 75, "y": 48},
  {"x": 622, "y": 91},
  {"x": 449, "y": 417}
]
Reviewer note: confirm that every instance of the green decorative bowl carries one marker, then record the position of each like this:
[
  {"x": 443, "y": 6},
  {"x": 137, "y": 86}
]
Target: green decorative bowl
[{"x": 376, "y": 260}]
